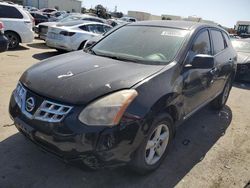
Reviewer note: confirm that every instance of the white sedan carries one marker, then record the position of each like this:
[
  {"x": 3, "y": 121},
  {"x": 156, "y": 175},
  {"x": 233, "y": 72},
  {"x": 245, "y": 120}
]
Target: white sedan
[{"x": 72, "y": 36}]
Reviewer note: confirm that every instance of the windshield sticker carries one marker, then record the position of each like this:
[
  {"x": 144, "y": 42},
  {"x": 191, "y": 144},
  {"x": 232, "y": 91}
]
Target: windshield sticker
[{"x": 173, "y": 33}]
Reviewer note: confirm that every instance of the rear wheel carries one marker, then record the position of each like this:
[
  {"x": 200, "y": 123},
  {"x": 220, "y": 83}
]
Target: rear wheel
[
  {"x": 219, "y": 102},
  {"x": 13, "y": 38},
  {"x": 155, "y": 146}
]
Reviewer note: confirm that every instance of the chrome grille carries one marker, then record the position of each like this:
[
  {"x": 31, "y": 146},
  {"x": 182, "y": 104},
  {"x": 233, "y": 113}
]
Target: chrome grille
[
  {"x": 48, "y": 111},
  {"x": 52, "y": 112}
]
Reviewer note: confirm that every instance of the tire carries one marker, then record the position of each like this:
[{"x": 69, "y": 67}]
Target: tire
[
  {"x": 13, "y": 38},
  {"x": 142, "y": 162},
  {"x": 219, "y": 102}
]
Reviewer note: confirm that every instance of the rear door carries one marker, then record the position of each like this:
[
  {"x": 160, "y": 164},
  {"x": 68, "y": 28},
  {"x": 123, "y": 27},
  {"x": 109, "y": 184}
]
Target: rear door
[{"x": 224, "y": 61}]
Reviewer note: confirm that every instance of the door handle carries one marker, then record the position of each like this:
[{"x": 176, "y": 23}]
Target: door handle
[{"x": 213, "y": 71}]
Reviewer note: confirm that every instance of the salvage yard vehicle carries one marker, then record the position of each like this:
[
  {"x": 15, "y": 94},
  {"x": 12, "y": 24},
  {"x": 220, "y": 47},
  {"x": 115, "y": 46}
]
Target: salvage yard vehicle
[
  {"x": 18, "y": 24},
  {"x": 3, "y": 40},
  {"x": 242, "y": 46},
  {"x": 121, "y": 101},
  {"x": 39, "y": 18},
  {"x": 42, "y": 28},
  {"x": 73, "y": 35}
]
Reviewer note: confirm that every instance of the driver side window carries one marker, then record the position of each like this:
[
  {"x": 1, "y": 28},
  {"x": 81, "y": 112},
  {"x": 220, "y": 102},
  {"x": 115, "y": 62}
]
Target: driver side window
[{"x": 201, "y": 45}]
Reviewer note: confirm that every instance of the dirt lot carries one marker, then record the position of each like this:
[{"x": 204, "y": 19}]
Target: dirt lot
[{"x": 212, "y": 149}]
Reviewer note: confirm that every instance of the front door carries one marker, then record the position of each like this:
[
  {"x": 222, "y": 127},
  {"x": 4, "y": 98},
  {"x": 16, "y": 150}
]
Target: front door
[{"x": 196, "y": 82}]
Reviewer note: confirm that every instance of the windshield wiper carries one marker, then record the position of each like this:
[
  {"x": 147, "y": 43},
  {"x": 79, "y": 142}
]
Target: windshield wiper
[{"x": 118, "y": 57}]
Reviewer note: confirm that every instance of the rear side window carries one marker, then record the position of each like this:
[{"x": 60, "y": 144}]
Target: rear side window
[
  {"x": 9, "y": 12},
  {"x": 218, "y": 41}
]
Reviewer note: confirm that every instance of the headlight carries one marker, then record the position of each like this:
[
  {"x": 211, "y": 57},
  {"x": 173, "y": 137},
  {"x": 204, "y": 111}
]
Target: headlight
[{"x": 108, "y": 110}]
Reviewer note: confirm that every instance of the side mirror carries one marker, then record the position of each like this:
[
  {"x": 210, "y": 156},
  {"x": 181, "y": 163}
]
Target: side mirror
[{"x": 202, "y": 61}]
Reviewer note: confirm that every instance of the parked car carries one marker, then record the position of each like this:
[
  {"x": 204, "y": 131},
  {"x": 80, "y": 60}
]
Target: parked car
[
  {"x": 121, "y": 102},
  {"x": 242, "y": 46},
  {"x": 128, "y": 19},
  {"x": 115, "y": 22},
  {"x": 39, "y": 18},
  {"x": 42, "y": 28},
  {"x": 30, "y": 8},
  {"x": 18, "y": 24},
  {"x": 3, "y": 40},
  {"x": 95, "y": 39},
  {"x": 48, "y": 10},
  {"x": 73, "y": 35}
]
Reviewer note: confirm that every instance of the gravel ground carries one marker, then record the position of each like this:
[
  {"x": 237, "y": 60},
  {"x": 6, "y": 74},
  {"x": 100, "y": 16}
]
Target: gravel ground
[{"x": 211, "y": 149}]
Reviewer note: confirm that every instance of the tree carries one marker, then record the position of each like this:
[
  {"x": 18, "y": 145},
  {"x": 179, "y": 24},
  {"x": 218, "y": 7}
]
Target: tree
[
  {"x": 101, "y": 11},
  {"x": 83, "y": 10}
]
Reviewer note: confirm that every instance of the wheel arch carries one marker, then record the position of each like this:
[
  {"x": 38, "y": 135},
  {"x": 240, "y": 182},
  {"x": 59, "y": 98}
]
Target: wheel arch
[
  {"x": 82, "y": 44},
  {"x": 11, "y": 31}
]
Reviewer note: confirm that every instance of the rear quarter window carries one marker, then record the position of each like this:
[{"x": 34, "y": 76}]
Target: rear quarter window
[
  {"x": 10, "y": 12},
  {"x": 218, "y": 41}
]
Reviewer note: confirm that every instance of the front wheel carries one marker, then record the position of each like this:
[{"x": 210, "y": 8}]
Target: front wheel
[
  {"x": 155, "y": 146},
  {"x": 220, "y": 101}
]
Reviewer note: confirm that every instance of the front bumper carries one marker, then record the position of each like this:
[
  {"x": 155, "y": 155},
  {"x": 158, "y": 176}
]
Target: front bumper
[{"x": 95, "y": 147}]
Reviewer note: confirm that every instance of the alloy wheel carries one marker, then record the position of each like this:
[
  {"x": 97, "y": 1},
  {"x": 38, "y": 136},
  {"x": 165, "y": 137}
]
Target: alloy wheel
[
  {"x": 13, "y": 40},
  {"x": 157, "y": 144}
]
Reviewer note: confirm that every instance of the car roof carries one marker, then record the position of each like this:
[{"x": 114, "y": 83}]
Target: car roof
[
  {"x": 187, "y": 25},
  {"x": 79, "y": 23}
]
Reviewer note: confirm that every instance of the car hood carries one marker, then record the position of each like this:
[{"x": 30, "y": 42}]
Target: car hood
[
  {"x": 78, "y": 77},
  {"x": 243, "y": 58}
]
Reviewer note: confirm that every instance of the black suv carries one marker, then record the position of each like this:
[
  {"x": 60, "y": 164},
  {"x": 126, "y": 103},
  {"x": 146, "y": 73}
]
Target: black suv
[{"x": 120, "y": 101}]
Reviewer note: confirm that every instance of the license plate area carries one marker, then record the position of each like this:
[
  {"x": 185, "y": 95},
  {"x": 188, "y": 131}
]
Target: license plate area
[
  {"x": 55, "y": 36},
  {"x": 26, "y": 129}
]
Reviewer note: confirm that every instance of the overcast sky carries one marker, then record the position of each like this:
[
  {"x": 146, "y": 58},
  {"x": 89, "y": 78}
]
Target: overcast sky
[{"x": 224, "y": 12}]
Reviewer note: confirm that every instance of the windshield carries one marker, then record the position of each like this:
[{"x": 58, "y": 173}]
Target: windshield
[
  {"x": 143, "y": 44},
  {"x": 241, "y": 46}
]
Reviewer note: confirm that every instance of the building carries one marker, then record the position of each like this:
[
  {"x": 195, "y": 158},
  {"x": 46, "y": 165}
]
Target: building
[
  {"x": 140, "y": 16},
  {"x": 67, "y": 5},
  {"x": 171, "y": 17}
]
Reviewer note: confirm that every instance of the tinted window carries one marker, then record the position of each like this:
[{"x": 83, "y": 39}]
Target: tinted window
[
  {"x": 96, "y": 29},
  {"x": 9, "y": 12},
  {"x": 218, "y": 41},
  {"x": 201, "y": 44},
  {"x": 106, "y": 28},
  {"x": 84, "y": 28}
]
